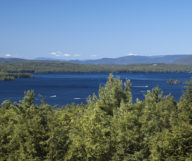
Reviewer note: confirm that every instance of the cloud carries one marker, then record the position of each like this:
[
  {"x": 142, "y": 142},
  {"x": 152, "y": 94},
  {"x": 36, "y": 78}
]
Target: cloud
[
  {"x": 8, "y": 55},
  {"x": 59, "y": 54},
  {"x": 131, "y": 54},
  {"x": 66, "y": 54},
  {"x": 55, "y": 53}
]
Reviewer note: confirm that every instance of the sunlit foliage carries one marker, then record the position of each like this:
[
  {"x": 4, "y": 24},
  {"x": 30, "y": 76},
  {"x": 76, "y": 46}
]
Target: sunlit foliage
[{"x": 108, "y": 127}]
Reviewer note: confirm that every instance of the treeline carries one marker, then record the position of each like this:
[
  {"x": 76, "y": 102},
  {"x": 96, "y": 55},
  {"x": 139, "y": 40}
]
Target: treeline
[
  {"x": 108, "y": 127},
  {"x": 4, "y": 76},
  {"x": 61, "y": 67}
]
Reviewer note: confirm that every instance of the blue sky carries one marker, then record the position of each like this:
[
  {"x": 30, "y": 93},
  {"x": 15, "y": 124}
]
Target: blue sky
[{"x": 91, "y": 29}]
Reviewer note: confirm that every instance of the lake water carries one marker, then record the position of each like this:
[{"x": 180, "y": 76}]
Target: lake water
[{"x": 66, "y": 88}]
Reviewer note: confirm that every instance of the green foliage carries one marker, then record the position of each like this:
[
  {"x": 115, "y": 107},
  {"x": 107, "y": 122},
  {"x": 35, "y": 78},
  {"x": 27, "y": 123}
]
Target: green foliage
[
  {"x": 113, "y": 94},
  {"x": 4, "y": 76},
  {"x": 172, "y": 81},
  {"x": 62, "y": 67},
  {"x": 108, "y": 127}
]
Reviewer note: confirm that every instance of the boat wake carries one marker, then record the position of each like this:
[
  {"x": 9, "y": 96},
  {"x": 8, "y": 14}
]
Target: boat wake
[
  {"x": 77, "y": 98},
  {"x": 140, "y": 86},
  {"x": 53, "y": 96}
]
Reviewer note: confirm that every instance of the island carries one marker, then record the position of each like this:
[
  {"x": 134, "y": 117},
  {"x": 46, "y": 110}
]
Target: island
[
  {"x": 5, "y": 76},
  {"x": 172, "y": 81}
]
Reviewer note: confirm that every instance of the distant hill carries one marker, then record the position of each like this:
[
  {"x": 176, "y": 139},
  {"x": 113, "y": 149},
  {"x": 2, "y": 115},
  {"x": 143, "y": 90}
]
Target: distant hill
[
  {"x": 12, "y": 60},
  {"x": 166, "y": 59},
  {"x": 126, "y": 60},
  {"x": 186, "y": 60}
]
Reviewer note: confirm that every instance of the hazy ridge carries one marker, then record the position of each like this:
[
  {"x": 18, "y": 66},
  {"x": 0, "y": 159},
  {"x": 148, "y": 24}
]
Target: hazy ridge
[{"x": 165, "y": 59}]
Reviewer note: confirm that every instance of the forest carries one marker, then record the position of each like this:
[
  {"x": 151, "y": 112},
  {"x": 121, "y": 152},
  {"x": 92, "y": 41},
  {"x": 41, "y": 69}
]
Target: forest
[
  {"x": 5, "y": 76},
  {"x": 62, "y": 67},
  {"x": 109, "y": 127},
  {"x": 26, "y": 69}
]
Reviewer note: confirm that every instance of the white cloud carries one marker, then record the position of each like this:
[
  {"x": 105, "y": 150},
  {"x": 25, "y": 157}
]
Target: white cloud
[
  {"x": 8, "y": 55},
  {"x": 131, "y": 54},
  {"x": 59, "y": 54},
  {"x": 54, "y": 53},
  {"x": 66, "y": 54}
]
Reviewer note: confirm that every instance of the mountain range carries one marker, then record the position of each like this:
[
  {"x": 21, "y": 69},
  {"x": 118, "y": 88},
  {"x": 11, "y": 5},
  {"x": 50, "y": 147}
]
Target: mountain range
[{"x": 165, "y": 59}]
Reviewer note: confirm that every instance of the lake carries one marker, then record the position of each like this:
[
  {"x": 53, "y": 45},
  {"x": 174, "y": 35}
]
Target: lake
[{"x": 65, "y": 88}]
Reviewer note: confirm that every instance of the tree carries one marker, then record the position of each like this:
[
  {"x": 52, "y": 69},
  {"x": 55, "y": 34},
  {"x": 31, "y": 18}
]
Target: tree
[{"x": 112, "y": 94}]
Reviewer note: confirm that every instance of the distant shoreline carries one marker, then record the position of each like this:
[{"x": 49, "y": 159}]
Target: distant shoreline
[{"x": 63, "y": 67}]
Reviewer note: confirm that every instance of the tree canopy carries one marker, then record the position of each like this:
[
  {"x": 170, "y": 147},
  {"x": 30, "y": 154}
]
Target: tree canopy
[{"x": 109, "y": 127}]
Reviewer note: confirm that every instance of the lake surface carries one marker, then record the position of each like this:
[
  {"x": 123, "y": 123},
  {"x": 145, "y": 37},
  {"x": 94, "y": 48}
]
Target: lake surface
[{"x": 66, "y": 88}]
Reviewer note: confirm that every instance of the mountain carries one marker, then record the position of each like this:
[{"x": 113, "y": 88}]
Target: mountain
[
  {"x": 12, "y": 60},
  {"x": 186, "y": 60},
  {"x": 47, "y": 59},
  {"x": 166, "y": 59}
]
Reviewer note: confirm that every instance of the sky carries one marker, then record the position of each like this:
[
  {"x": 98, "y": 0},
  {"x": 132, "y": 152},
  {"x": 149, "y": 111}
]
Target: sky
[{"x": 92, "y": 29}]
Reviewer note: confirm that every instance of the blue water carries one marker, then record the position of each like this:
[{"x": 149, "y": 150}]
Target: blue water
[{"x": 66, "y": 88}]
